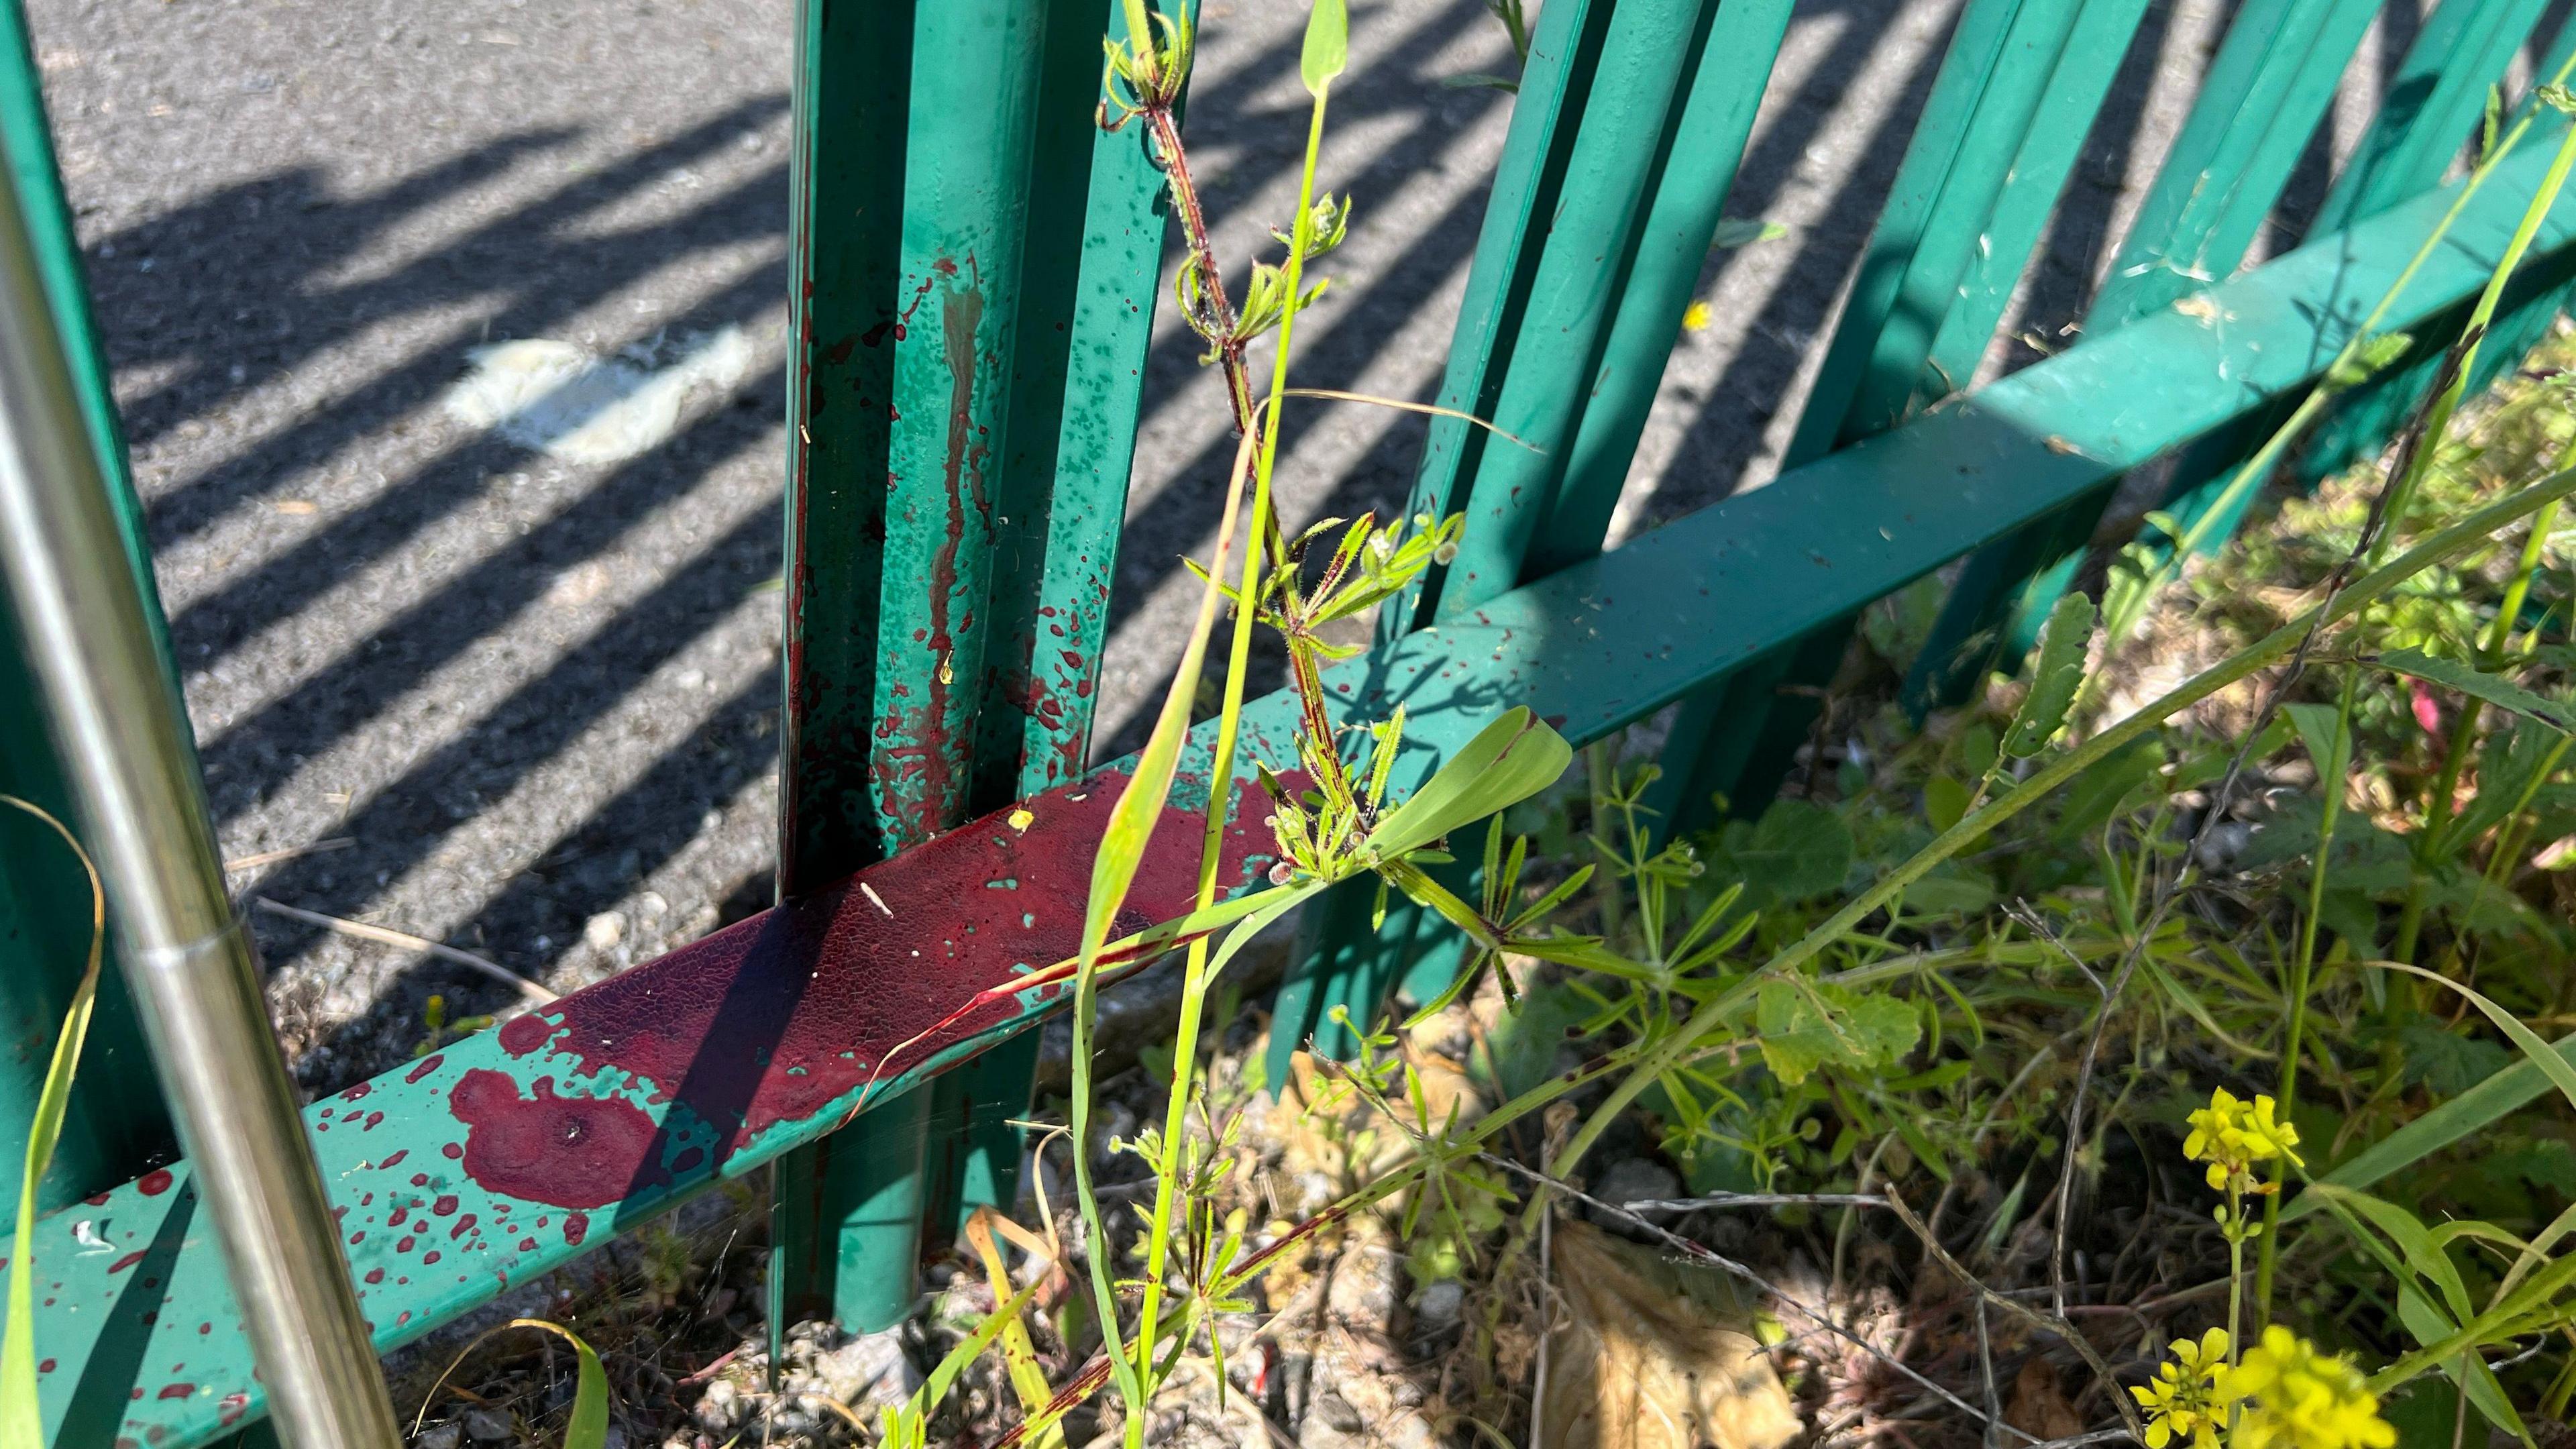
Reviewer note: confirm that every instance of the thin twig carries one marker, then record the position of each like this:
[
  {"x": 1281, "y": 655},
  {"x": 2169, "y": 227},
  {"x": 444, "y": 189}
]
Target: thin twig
[
  {"x": 383, "y": 936},
  {"x": 272, "y": 857}
]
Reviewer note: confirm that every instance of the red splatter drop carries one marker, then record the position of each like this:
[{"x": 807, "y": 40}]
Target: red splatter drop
[
  {"x": 445, "y": 1205},
  {"x": 521, "y": 1035},
  {"x": 396, "y": 1218},
  {"x": 154, "y": 1183},
  {"x": 420, "y": 1179},
  {"x": 429, "y": 1257},
  {"x": 176, "y": 1391},
  {"x": 397, "y": 1157},
  {"x": 453, "y": 1150},
  {"x": 576, "y": 1228},
  {"x": 527, "y": 1245},
  {"x": 405, "y": 1245},
  {"x": 372, "y": 1119},
  {"x": 568, "y": 1151},
  {"x": 463, "y": 1226},
  {"x": 128, "y": 1261},
  {"x": 428, "y": 1064},
  {"x": 229, "y": 1408},
  {"x": 375, "y": 1275},
  {"x": 46, "y": 1367},
  {"x": 360, "y": 1090}
]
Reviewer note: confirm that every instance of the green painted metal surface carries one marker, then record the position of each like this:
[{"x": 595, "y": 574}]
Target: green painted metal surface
[
  {"x": 933, "y": 306},
  {"x": 2267, "y": 90},
  {"x": 2431, "y": 106},
  {"x": 1974, "y": 124},
  {"x": 108, "y": 1136},
  {"x": 1086, "y": 317},
  {"x": 452, "y": 1172}
]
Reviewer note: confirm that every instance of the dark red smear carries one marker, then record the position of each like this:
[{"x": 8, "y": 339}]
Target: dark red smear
[
  {"x": 395, "y": 1218},
  {"x": 176, "y": 1391},
  {"x": 527, "y": 1245},
  {"x": 576, "y": 1227},
  {"x": 360, "y": 1090},
  {"x": 428, "y": 1064},
  {"x": 230, "y": 1407},
  {"x": 569, "y": 1151},
  {"x": 446, "y": 1203},
  {"x": 372, "y": 1119},
  {"x": 397, "y": 1157},
  {"x": 98, "y": 1201},
  {"x": 774, "y": 1018},
  {"x": 463, "y": 1226},
  {"x": 128, "y": 1261}
]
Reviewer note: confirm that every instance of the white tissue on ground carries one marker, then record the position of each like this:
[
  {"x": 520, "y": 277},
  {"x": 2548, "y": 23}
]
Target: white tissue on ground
[{"x": 559, "y": 399}]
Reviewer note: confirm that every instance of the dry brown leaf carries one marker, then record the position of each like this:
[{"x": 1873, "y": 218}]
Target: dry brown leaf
[
  {"x": 2038, "y": 1406},
  {"x": 1634, "y": 1363}
]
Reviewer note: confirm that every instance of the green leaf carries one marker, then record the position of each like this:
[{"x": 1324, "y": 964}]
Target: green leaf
[
  {"x": 2449, "y": 1124},
  {"x": 1797, "y": 850},
  {"x": 1945, "y": 801},
  {"x": 1853, "y": 1030},
  {"x": 21, "y": 1423},
  {"x": 2368, "y": 360},
  {"x": 2494, "y": 689},
  {"x": 1507, "y": 762},
  {"x": 1328, "y": 46},
  {"x": 2108, "y": 786},
  {"x": 1742, "y": 231},
  {"x": 1478, "y": 80},
  {"x": 2445, "y": 1061},
  {"x": 2054, "y": 679},
  {"x": 2320, "y": 729}
]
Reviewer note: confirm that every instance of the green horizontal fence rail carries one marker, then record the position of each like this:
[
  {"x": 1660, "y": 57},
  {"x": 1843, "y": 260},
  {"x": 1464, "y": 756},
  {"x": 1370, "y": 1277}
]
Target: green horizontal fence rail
[{"x": 971, "y": 311}]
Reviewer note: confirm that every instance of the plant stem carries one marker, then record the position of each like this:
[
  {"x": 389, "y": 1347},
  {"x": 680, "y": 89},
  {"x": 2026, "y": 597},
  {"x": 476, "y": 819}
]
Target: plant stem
[
  {"x": 2330, "y": 783},
  {"x": 1220, "y": 801}
]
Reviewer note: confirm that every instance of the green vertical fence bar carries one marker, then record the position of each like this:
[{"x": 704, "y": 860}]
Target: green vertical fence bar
[
  {"x": 1999, "y": 133},
  {"x": 1594, "y": 144},
  {"x": 1086, "y": 317},
  {"x": 108, "y": 1136},
  {"x": 1336, "y": 944},
  {"x": 2272, "y": 81},
  {"x": 2431, "y": 106},
  {"x": 1702, "y": 147},
  {"x": 907, "y": 281},
  {"x": 1974, "y": 126}
]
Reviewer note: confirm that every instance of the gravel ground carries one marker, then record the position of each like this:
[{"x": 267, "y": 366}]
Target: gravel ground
[{"x": 527, "y": 706}]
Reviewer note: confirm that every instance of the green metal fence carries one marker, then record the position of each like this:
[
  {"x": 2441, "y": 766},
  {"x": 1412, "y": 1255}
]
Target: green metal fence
[{"x": 971, "y": 309}]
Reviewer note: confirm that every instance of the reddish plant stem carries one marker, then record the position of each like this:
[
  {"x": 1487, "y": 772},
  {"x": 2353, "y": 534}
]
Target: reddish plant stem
[{"x": 1194, "y": 233}]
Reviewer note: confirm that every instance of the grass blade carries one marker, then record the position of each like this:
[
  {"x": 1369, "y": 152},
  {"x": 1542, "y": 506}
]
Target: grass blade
[{"x": 21, "y": 1420}]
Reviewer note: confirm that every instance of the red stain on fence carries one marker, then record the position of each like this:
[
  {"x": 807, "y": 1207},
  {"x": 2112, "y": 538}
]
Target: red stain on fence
[{"x": 776, "y": 1018}]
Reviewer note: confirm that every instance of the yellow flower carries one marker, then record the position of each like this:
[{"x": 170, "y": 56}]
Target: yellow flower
[
  {"x": 2231, "y": 1135},
  {"x": 2185, "y": 1401},
  {"x": 1695, "y": 317},
  {"x": 2299, "y": 1397}
]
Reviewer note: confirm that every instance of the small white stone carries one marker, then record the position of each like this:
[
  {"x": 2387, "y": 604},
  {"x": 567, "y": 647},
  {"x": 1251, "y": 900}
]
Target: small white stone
[{"x": 604, "y": 931}]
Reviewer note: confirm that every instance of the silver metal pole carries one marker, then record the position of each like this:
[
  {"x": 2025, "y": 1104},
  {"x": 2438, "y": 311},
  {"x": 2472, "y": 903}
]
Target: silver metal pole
[{"x": 142, "y": 812}]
